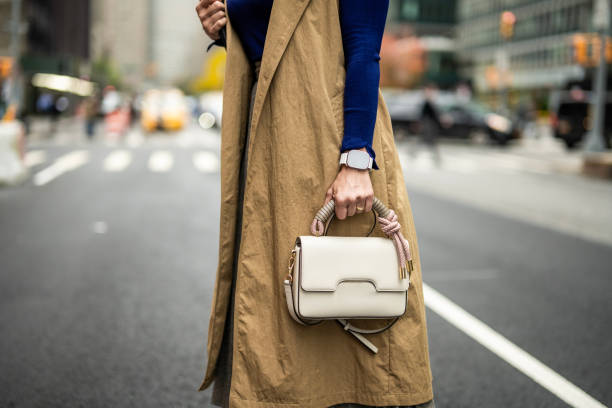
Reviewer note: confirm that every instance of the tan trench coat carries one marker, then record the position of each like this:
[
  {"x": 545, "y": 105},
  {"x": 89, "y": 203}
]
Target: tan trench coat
[{"x": 296, "y": 133}]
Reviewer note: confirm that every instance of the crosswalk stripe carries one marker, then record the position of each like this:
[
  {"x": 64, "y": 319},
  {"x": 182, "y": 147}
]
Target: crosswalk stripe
[
  {"x": 161, "y": 161},
  {"x": 206, "y": 162},
  {"x": 61, "y": 165},
  {"x": 35, "y": 157},
  {"x": 117, "y": 161}
]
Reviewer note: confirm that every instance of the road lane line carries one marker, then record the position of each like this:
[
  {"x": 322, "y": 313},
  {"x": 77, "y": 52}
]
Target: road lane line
[
  {"x": 61, "y": 165},
  {"x": 206, "y": 162},
  {"x": 117, "y": 161},
  {"x": 161, "y": 161},
  {"x": 35, "y": 157},
  {"x": 508, "y": 351},
  {"x": 462, "y": 275}
]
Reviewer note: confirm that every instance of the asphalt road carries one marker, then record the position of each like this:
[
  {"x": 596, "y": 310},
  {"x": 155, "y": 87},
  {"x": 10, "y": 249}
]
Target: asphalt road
[{"x": 106, "y": 283}]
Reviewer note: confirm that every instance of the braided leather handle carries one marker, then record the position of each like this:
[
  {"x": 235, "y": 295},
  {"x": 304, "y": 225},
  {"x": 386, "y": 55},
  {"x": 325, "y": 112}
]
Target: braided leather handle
[{"x": 389, "y": 225}]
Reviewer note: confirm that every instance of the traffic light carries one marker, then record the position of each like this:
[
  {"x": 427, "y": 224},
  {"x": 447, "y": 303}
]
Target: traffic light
[
  {"x": 581, "y": 49},
  {"x": 506, "y": 24},
  {"x": 6, "y": 63},
  {"x": 587, "y": 48}
]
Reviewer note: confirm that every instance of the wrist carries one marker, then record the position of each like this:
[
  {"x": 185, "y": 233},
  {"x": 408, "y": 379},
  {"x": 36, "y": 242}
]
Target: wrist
[{"x": 345, "y": 168}]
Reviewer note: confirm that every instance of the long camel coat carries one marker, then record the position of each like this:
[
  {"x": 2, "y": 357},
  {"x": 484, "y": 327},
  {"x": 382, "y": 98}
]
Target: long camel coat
[{"x": 295, "y": 137}]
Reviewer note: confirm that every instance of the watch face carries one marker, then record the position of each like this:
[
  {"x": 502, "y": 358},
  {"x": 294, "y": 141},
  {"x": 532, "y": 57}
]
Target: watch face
[{"x": 358, "y": 159}]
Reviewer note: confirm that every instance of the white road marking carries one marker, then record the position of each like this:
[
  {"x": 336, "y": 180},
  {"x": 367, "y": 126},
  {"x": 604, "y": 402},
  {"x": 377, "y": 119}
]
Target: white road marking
[
  {"x": 61, "y": 165},
  {"x": 461, "y": 275},
  {"x": 508, "y": 351},
  {"x": 134, "y": 138},
  {"x": 117, "y": 160},
  {"x": 99, "y": 227},
  {"x": 206, "y": 162},
  {"x": 161, "y": 161},
  {"x": 471, "y": 162},
  {"x": 35, "y": 157}
]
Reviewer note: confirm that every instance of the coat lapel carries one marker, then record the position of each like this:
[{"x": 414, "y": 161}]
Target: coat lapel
[{"x": 284, "y": 18}]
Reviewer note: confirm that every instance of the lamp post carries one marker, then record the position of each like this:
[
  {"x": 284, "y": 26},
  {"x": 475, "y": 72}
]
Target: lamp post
[
  {"x": 15, "y": 27},
  {"x": 595, "y": 138}
]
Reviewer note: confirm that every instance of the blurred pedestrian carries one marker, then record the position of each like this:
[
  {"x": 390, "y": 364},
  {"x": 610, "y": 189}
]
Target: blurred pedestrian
[
  {"x": 430, "y": 124},
  {"x": 527, "y": 116},
  {"x": 92, "y": 107},
  {"x": 289, "y": 113}
]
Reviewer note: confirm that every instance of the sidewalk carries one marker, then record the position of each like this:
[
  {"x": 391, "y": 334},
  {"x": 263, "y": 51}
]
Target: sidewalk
[{"x": 532, "y": 182}]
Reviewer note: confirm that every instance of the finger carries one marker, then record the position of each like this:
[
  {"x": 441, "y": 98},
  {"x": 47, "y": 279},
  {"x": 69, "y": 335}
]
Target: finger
[
  {"x": 368, "y": 204},
  {"x": 214, "y": 35},
  {"x": 212, "y": 20},
  {"x": 360, "y": 206},
  {"x": 215, "y": 27},
  {"x": 206, "y": 15},
  {"x": 341, "y": 211},
  {"x": 352, "y": 208},
  {"x": 202, "y": 4},
  {"x": 219, "y": 24},
  {"x": 216, "y": 17},
  {"x": 212, "y": 9}
]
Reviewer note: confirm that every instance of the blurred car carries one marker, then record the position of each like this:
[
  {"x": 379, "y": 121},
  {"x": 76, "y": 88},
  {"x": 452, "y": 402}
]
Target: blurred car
[
  {"x": 571, "y": 116},
  {"x": 448, "y": 115},
  {"x": 174, "y": 110},
  {"x": 163, "y": 109},
  {"x": 150, "y": 110}
]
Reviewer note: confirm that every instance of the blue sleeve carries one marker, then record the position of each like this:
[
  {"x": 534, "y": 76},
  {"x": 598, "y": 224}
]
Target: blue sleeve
[{"x": 362, "y": 23}]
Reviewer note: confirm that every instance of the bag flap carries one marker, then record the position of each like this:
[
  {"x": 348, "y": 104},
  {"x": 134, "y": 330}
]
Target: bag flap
[{"x": 328, "y": 261}]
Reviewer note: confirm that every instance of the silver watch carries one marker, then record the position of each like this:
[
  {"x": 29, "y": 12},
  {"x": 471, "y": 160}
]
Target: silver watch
[{"x": 357, "y": 159}]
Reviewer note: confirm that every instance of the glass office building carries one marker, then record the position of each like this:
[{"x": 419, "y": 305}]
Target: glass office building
[{"x": 525, "y": 44}]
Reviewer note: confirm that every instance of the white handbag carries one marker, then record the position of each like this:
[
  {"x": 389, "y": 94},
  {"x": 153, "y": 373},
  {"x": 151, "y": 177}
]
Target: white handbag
[{"x": 346, "y": 278}]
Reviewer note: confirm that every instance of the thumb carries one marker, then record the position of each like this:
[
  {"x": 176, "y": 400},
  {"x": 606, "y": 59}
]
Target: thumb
[{"x": 329, "y": 195}]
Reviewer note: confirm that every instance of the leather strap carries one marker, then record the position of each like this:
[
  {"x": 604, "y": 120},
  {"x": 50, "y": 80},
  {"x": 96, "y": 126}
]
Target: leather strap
[
  {"x": 345, "y": 325},
  {"x": 389, "y": 225},
  {"x": 348, "y": 327}
]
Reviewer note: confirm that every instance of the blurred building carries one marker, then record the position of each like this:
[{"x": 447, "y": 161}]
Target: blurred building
[
  {"x": 421, "y": 30},
  {"x": 525, "y": 44},
  {"x": 121, "y": 39},
  {"x": 425, "y": 17},
  {"x": 179, "y": 43},
  {"x": 148, "y": 42},
  {"x": 53, "y": 38},
  {"x": 53, "y": 34},
  {"x": 5, "y": 30}
]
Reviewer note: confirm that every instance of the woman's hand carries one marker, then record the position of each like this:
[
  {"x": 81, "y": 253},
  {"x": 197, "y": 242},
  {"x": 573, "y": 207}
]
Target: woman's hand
[
  {"x": 352, "y": 192},
  {"x": 212, "y": 16}
]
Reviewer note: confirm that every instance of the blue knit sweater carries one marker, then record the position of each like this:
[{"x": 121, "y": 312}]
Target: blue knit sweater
[{"x": 362, "y": 23}]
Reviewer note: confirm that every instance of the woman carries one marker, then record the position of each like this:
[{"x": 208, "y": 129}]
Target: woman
[{"x": 301, "y": 87}]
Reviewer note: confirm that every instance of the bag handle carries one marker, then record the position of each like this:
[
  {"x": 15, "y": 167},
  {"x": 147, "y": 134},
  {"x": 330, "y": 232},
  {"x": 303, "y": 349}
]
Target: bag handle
[{"x": 388, "y": 224}]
